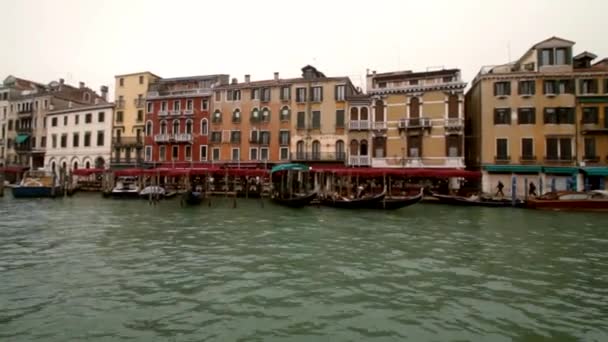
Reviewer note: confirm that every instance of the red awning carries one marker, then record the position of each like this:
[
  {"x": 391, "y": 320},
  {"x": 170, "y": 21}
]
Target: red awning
[
  {"x": 87, "y": 172},
  {"x": 128, "y": 172},
  {"x": 13, "y": 169}
]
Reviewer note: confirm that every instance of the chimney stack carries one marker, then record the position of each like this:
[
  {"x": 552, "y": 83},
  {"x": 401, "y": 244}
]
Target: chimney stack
[
  {"x": 69, "y": 104},
  {"x": 247, "y": 78},
  {"x": 104, "y": 92},
  {"x": 61, "y": 81},
  {"x": 374, "y": 72},
  {"x": 234, "y": 81},
  {"x": 81, "y": 85},
  {"x": 276, "y": 76}
]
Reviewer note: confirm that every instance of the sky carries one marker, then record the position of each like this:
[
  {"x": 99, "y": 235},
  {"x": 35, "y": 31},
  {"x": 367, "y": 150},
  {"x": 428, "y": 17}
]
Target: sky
[{"x": 91, "y": 41}]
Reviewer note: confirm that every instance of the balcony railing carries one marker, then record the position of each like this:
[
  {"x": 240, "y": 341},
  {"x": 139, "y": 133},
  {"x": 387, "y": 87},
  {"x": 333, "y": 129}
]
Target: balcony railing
[
  {"x": 176, "y": 112},
  {"x": 24, "y": 130},
  {"x": 527, "y": 159},
  {"x": 454, "y": 124},
  {"x": 120, "y": 104},
  {"x": 26, "y": 111},
  {"x": 139, "y": 103},
  {"x": 359, "y": 160},
  {"x": 163, "y": 113},
  {"x": 418, "y": 162},
  {"x": 188, "y": 112},
  {"x": 591, "y": 159},
  {"x": 182, "y": 137},
  {"x": 415, "y": 123},
  {"x": 359, "y": 125},
  {"x": 502, "y": 159},
  {"x": 127, "y": 141},
  {"x": 379, "y": 125},
  {"x": 318, "y": 156},
  {"x": 558, "y": 159},
  {"x": 162, "y": 138}
]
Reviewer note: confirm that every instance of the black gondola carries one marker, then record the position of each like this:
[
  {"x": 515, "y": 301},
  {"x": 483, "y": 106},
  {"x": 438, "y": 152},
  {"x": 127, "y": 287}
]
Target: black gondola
[
  {"x": 479, "y": 202},
  {"x": 192, "y": 198},
  {"x": 295, "y": 201},
  {"x": 367, "y": 202},
  {"x": 392, "y": 203}
]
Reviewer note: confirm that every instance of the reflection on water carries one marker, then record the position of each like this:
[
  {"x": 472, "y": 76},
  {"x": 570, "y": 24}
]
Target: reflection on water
[{"x": 88, "y": 268}]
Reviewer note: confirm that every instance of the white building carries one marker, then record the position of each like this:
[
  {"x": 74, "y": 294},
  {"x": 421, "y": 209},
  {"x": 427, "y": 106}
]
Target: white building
[{"x": 79, "y": 137}]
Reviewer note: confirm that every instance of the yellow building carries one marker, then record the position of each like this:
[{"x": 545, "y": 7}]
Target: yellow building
[
  {"x": 129, "y": 118},
  {"x": 522, "y": 121},
  {"x": 416, "y": 119}
]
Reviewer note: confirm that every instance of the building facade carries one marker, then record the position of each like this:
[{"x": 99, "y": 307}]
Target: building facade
[
  {"x": 79, "y": 138},
  {"x": 177, "y": 126},
  {"x": 3, "y": 123},
  {"x": 524, "y": 119},
  {"x": 416, "y": 119},
  {"x": 130, "y": 117}
]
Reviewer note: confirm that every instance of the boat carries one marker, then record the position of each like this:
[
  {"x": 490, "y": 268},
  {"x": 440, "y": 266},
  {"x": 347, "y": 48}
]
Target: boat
[
  {"x": 295, "y": 201},
  {"x": 392, "y": 203},
  {"x": 126, "y": 187},
  {"x": 595, "y": 200},
  {"x": 152, "y": 191},
  {"x": 477, "y": 201},
  {"x": 37, "y": 184},
  {"x": 366, "y": 202},
  {"x": 191, "y": 197}
]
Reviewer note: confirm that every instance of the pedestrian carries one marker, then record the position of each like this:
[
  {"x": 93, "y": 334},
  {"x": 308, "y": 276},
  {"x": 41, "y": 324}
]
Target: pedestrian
[
  {"x": 532, "y": 189},
  {"x": 500, "y": 186}
]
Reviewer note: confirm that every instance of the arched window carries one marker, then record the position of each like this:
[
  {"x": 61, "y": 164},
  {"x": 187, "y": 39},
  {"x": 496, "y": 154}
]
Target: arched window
[
  {"x": 255, "y": 115},
  {"x": 163, "y": 127},
  {"x": 99, "y": 163},
  {"x": 340, "y": 150},
  {"x": 364, "y": 114},
  {"x": 217, "y": 116},
  {"x": 300, "y": 150},
  {"x": 354, "y": 147},
  {"x": 236, "y": 116},
  {"x": 414, "y": 107},
  {"x": 175, "y": 127},
  {"x": 354, "y": 114},
  {"x": 363, "y": 148},
  {"x": 204, "y": 127},
  {"x": 189, "y": 126},
  {"x": 316, "y": 150},
  {"x": 53, "y": 167},
  {"x": 265, "y": 114},
  {"x": 75, "y": 166},
  {"x": 379, "y": 111},
  {"x": 149, "y": 128},
  {"x": 87, "y": 164},
  {"x": 64, "y": 166}
]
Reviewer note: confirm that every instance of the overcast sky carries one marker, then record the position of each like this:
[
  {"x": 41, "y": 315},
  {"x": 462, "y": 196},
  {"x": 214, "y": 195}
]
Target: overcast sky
[{"x": 92, "y": 41}]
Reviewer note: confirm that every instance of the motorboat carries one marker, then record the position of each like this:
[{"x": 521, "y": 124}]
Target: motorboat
[
  {"x": 38, "y": 183},
  {"x": 594, "y": 200},
  {"x": 126, "y": 187}
]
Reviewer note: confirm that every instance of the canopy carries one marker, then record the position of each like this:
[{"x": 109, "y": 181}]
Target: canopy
[
  {"x": 86, "y": 172},
  {"x": 21, "y": 138},
  {"x": 513, "y": 168},
  {"x": 596, "y": 171},
  {"x": 290, "y": 166},
  {"x": 128, "y": 172},
  {"x": 13, "y": 169},
  {"x": 403, "y": 172},
  {"x": 560, "y": 170}
]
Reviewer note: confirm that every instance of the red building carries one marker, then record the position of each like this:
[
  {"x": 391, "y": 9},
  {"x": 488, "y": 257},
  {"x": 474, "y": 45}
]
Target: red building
[{"x": 177, "y": 119}]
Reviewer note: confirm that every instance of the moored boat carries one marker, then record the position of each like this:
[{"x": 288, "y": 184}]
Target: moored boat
[
  {"x": 295, "y": 201},
  {"x": 392, "y": 203},
  {"x": 290, "y": 183},
  {"x": 152, "y": 191},
  {"x": 595, "y": 200},
  {"x": 37, "y": 184},
  {"x": 476, "y": 201},
  {"x": 366, "y": 202},
  {"x": 192, "y": 197},
  {"x": 126, "y": 187}
]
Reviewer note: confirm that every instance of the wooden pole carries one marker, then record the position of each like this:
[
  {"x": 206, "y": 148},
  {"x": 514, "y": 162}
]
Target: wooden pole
[
  {"x": 234, "y": 189},
  {"x": 1, "y": 184},
  {"x": 207, "y": 179}
]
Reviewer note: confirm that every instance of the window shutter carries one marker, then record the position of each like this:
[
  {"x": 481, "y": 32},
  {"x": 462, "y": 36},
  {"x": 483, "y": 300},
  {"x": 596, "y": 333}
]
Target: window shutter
[
  {"x": 519, "y": 86},
  {"x": 571, "y": 115},
  {"x": 495, "y": 88},
  {"x": 495, "y": 116},
  {"x": 533, "y": 87},
  {"x": 569, "y": 55},
  {"x": 508, "y": 88},
  {"x": 336, "y": 93},
  {"x": 321, "y": 94},
  {"x": 533, "y": 113},
  {"x": 594, "y": 86}
]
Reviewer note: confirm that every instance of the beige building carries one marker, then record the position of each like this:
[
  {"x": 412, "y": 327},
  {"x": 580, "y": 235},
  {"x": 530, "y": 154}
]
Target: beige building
[
  {"x": 522, "y": 121},
  {"x": 129, "y": 118},
  {"x": 416, "y": 120}
]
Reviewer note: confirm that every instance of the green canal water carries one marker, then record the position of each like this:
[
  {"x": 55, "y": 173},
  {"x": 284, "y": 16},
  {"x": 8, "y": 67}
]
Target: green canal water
[{"x": 87, "y": 268}]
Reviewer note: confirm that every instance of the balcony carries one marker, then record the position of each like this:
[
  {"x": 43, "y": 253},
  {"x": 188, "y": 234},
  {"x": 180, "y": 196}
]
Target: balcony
[
  {"x": 418, "y": 162},
  {"x": 24, "y": 130},
  {"x": 156, "y": 93},
  {"x": 133, "y": 162},
  {"x": 415, "y": 123},
  {"x": 182, "y": 137},
  {"x": 188, "y": 112},
  {"x": 25, "y": 112},
  {"x": 120, "y": 104},
  {"x": 318, "y": 156},
  {"x": 594, "y": 128},
  {"x": 559, "y": 159},
  {"x": 591, "y": 159},
  {"x": 127, "y": 141},
  {"x": 359, "y": 125},
  {"x": 359, "y": 160},
  {"x": 163, "y": 113},
  {"x": 454, "y": 124},
  {"x": 162, "y": 138},
  {"x": 502, "y": 159},
  {"x": 175, "y": 112},
  {"x": 139, "y": 103}
]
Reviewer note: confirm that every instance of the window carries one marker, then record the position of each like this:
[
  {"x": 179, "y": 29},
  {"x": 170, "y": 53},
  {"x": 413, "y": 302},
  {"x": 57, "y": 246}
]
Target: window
[
  {"x": 100, "y": 136},
  {"x": 76, "y": 119},
  {"x": 316, "y": 119},
  {"x": 316, "y": 150},
  {"x": 54, "y": 141},
  {"x": 526, "y": 88},
  {"x": 300, "y": 95},
  {"x": 253, "y": 153},
  {"x": 189, "y": 104},
  {"x": 265, "y": 115},
  {"x": 340, "y": 154},
  {"x": 264, "y": 153},
  {"x": 33, "y": 142},
  {"x": 236, "y": 153},
  {"x": 264, "y": 137},
  {"x": 546, "y": 57},
  {"x": 101, "y": 116},
  {"x": 381, "y": 84},
  {"x": 75, "y": 140},
  {"x": 316, "y": 94},
  {"x": 163, "y": 106},
  {"x": 121, "y": 82},
  {"x": 284, "y": 153},
  {"x": 453, "y": 145},
  {"x": 43, "y": 142},
  {"x": 340, "y": 92},
  {"x": 65, "y": 120},
  {"x": 188, "y": 152},
  {"x": 218, "y": 96},
  {"x": 163, "y": 127},
  {"x": 162, "y": 153},
  {"x": 175, "y": 152},
  {"x": 301, "y": 120},
  {"x": 188, "y": 127},
  {"x": 254, "y": 136},
  {"x": 175, "y": 127},
  {"x": 285, "y": 114},
  {"x": 148, "y": 153},
  {"x": 502, "y": 88},
  {"x": 559, "y": 115},
  {"x": 216, "y": 153},
  {"x": 64, "y": 140},
  {"x": 590, "y": 149},
  {"x": 526, "y": 116},
  {"x": 527, "y": 149},
  {"x": 87, "y": 139},
  {"x": 453, "y": 111},
  {"x": 255, "y": 94},
  {"x": 119, "y": 117},
  {"x": 265, "y": 94},
  {"x": 565, "y": 149},
  {"x": 141, "y": 80},
  {"x": 502, "y": 151},
  {"x": 53, "y": 123},
  {"x": 216, "y": 137},
  {"x": 560, "y": 56},
  {"x": 414, "y": 144},
  {"x": 177, "y": 104},
  {"x": 285, "y": 93},
  {"x": 284, "y": 137},
  {"x": 204, "y": 127},
  {"x": 140, "y": 115},
  {"x": 88, "y": 118},
  {"x": 233, "y": 95},
  {"x": 590, "y": 115},
  {"x": 236, "y": 116},
  {"x": 559, "y": 149},
  {"x": 217, "y": 117},
  {"x": 235, "y": 137},
  {"x": 340, "y": 118},
  {"x": 149, "y": 107},
  {"x": 203, "y": 153},
  {"x": 565, "y": 87},
  {"x": 588, "y": 86},
  {"x": 502, "y": 116},
  {"x": 205, "y": 104}
]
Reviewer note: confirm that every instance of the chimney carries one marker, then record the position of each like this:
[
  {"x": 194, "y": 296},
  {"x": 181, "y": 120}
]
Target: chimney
[
  {"x": 374, "y": 72},
  {"x": 69, "y": 104},
  {"x": 104, "y": 92},
  {"x": 81, "y": 85},
  {"x": 61, "y": 81},
  {"x": 367, "y": 71},
  {"x": 234, "y": 81},
  {"x": 247, "y": 78},
  {"x": 276, "y": 76}
]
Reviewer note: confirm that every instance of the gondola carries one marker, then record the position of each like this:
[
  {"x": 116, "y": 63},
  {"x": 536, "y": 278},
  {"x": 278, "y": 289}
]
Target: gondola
[
  {"x": 477, "y": 202},
  {"x": 367, "y": 202},
  {"x": 192, "y": 198},
  {"x": 392, "y": 203},
  {"x": 295, "y": 201}
]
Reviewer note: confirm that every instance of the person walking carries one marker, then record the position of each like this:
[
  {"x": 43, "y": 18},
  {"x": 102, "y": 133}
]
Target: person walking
[
  {"x": 532, "y": 189},
  {"x": 500, "y": 186}
]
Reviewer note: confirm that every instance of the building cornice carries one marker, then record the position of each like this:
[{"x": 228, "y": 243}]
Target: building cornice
[{"x": 419, "y": 88}]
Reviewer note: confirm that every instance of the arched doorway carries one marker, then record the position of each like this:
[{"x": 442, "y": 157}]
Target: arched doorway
[{"x": 363, "y": 148}]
